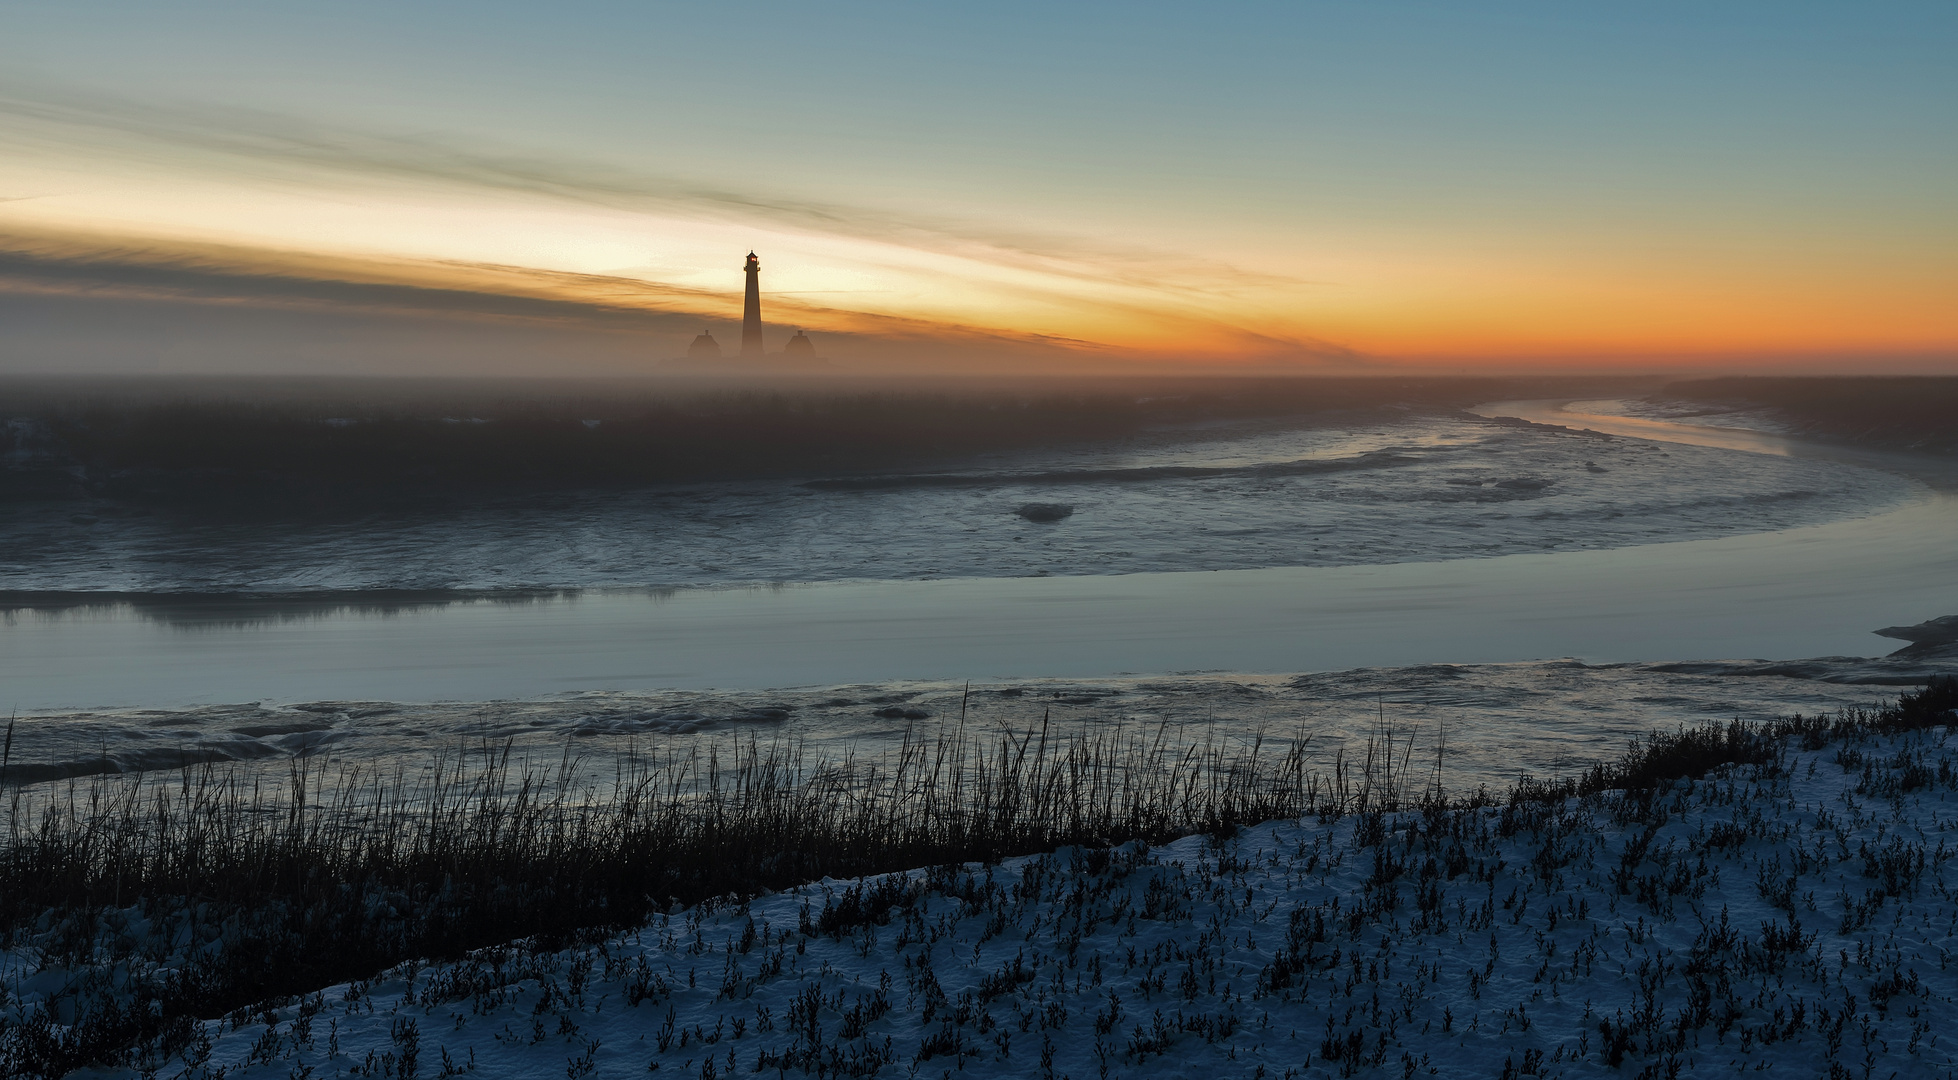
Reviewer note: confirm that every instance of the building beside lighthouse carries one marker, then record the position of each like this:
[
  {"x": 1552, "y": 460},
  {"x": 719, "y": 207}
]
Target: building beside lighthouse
[{"x": 704, "y": 355}]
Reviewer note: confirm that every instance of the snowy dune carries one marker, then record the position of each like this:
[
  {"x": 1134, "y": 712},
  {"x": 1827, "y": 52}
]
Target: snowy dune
[{"x": 1795, "y": 918}]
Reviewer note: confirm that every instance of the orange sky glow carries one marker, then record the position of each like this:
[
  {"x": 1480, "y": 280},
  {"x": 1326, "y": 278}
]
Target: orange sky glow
[{"x": 1604, "y": 230}]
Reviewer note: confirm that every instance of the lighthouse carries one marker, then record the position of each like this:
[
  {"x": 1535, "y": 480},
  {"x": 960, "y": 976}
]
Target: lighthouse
[{"x": 751, "y": 311}]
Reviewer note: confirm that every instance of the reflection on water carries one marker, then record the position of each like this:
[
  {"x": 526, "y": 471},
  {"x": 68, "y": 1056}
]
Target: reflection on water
[
  {"x": 1800, "y": 592},
  {"x": 1423, "y": 488},
  {"x": 237, "y": 611},
  {"x": 1806, "y": 591},
  {"x": 1645, "y": 420},
  {"x": 1582, "y": 415}
]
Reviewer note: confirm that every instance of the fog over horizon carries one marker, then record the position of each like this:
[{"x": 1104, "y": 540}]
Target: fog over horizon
[
  {"x": 144, "y": 315},
  {"x": 1308, "y": 188}
]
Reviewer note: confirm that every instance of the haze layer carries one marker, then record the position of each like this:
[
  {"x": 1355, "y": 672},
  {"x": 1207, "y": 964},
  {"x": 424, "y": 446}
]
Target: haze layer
[{"x": 501, "y": 187}]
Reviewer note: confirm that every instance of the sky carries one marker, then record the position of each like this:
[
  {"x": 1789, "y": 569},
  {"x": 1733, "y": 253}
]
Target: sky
[{"x": 525, "y": 188}]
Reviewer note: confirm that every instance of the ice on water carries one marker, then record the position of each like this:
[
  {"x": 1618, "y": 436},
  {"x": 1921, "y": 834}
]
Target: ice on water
[
  {"x": 1424, "y": 488},
  {"x": 1482, "y": 724},
  {"x": 1224, "y": 498}
]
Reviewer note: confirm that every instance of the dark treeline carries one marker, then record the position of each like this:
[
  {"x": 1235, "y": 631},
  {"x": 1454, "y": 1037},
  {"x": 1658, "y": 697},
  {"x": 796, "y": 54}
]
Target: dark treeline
[
  {"x": 1892, "y": 412},
  {"x": 298, "y": 438},
  {"x": 347, "y": 438}
]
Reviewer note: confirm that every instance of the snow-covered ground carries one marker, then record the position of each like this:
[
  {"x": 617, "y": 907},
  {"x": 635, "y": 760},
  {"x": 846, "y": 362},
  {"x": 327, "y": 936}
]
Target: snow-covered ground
[{"x": 1797, "y": 920}]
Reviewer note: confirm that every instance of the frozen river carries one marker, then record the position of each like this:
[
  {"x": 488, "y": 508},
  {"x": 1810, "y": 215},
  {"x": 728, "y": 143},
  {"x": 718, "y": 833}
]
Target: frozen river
[{"x": 1882, "y": 555}]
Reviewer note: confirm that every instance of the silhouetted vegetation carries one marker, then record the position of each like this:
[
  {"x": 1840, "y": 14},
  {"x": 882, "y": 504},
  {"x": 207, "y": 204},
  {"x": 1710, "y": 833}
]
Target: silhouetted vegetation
[
  {"x": 1664, "y": 757},
  {"x": 336, "y": 877},
  {"x": 253, "y": 894}
]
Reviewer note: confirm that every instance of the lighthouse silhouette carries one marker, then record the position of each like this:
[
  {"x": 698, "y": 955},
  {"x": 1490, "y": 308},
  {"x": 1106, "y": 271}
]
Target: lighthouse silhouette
[{"x": 751, "y": 311}]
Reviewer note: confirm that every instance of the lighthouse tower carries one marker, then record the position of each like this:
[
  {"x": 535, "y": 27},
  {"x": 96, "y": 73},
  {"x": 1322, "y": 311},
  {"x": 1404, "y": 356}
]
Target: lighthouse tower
[{"x": 751, "y": 311}]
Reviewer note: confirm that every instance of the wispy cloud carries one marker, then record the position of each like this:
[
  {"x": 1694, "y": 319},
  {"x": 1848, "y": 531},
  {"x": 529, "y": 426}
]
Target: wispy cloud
[
  {"x": 205, "y": 275},
  {"x": 292, "y": 145},
  {"x": 150, "y": 271},
  {"x": 1081, "y": 281}
]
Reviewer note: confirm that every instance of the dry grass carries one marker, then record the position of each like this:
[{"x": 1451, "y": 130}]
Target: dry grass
[
  {"x": 262, "y": 892},
  {"x": 210, "y": 891}
]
